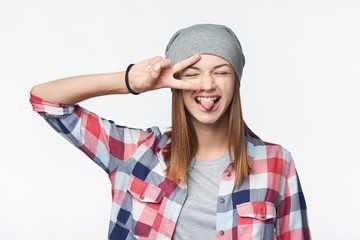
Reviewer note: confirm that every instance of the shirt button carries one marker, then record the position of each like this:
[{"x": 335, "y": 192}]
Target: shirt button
[
  {"x": 142, "y": 196},
  {"x": 222, "y": 200},
  {"x": 228, "y": 173},
  {"x": 262, "y": 215},
  {"x": 221, "y": 233}
]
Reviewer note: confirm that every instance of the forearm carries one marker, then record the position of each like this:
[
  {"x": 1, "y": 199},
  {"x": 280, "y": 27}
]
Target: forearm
[
  {"x": 75, "y": 89},
  {"x": 148, "y": 75}
]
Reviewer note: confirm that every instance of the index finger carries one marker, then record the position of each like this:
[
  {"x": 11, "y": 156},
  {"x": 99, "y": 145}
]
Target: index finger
[{"x": 186, "y": 63}]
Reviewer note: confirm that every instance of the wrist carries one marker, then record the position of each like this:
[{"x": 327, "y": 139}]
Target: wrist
[{"x": 127, "y": 80}]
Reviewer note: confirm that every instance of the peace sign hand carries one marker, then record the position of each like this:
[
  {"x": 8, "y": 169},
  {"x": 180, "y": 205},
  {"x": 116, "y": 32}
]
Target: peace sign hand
[{"x": 156, "y": 73}]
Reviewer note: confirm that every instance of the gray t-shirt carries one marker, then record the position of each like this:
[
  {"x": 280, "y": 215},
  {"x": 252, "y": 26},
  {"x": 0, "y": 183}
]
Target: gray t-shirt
[{"x": 197, "y": 218}]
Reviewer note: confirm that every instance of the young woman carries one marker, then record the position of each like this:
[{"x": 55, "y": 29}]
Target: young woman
[{"x": 210, "y": 177}]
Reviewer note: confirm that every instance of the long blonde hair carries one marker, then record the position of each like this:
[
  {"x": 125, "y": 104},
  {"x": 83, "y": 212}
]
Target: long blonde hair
[{"x": 184, "y": 143}]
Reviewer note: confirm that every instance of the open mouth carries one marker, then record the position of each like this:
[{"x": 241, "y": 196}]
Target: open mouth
[{"x": 207, "y": 103}]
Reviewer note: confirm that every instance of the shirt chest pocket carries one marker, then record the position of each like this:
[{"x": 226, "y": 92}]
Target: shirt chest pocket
[
  {"x": 145, "y": 205},
  {"x": 256, "y": 220}
]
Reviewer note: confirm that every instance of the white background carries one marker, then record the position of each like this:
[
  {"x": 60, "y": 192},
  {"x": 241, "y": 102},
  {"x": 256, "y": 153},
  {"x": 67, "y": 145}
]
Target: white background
[{"x": 300, "y": 89}]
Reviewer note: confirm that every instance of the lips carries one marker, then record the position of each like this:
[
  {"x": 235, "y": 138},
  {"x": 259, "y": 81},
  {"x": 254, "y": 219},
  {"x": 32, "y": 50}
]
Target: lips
[{"x": 207, "y": 103}]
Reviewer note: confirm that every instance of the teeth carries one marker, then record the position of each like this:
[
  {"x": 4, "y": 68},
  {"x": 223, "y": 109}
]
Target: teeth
[{"x": 203, "y": 99}]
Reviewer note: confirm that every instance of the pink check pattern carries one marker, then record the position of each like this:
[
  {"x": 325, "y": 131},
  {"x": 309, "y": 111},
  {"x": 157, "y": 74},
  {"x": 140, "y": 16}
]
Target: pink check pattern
[{"x": 269, "y": 204}]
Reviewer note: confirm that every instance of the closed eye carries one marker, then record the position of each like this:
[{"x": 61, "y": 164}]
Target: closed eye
[
  {"x": 221, "y": 73},
  {"x": 191, "y": 75}
]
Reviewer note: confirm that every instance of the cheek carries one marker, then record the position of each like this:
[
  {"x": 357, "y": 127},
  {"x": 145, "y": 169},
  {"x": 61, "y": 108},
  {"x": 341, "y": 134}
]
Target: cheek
[
  {"x": 228, "y": 92},
  {"x": 227, "y": 88},
  {"x": 185, "y": 94},
  {"x": 186, "y": 97}
]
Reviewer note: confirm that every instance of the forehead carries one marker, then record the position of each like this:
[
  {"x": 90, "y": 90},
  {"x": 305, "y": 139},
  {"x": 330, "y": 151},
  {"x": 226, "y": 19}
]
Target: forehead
[{"x": 210, "y": 61}]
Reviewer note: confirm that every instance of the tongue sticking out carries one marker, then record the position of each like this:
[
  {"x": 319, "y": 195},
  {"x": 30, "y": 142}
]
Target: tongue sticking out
[{"x": 207, "y": 104}]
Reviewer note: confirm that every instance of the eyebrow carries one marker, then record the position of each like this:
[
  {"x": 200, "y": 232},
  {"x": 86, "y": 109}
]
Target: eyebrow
[
  {"x": 222, "y": 65},
  {"x": 218, "y": 66}
]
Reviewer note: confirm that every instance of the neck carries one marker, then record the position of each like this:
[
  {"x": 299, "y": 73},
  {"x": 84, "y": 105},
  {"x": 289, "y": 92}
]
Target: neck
[{"x": 212, "y": 139}]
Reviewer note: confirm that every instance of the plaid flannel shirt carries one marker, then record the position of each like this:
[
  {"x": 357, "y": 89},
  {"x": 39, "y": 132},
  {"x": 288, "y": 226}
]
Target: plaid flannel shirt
[{"x": 269, "y": 204}]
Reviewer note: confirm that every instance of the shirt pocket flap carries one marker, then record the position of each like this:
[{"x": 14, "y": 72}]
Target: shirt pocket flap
[
  {"x": 144, "y": 191},
  {"x": 260, "y": 210}
]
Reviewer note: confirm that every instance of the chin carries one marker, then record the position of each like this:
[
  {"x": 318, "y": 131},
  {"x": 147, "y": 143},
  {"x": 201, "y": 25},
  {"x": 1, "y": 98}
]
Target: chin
[{"x": 207, "y": 120}]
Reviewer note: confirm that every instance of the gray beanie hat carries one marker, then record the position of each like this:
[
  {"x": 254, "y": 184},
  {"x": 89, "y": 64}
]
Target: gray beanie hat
[{"x": 207, "y": 39}]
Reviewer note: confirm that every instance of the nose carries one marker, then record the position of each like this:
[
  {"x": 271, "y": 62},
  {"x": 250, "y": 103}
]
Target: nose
[{"x": 207, "y": 83}]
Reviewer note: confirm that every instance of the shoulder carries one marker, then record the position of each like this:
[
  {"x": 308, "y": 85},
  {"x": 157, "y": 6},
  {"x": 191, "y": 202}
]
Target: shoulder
[
  {"x": 261, "y": 149},
  {"x": 268, "y": 156},
  {"x": 157, "y": 137}
]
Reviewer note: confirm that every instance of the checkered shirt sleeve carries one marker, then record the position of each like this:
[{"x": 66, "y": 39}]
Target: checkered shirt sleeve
[{"x": 101, "y": 140}]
